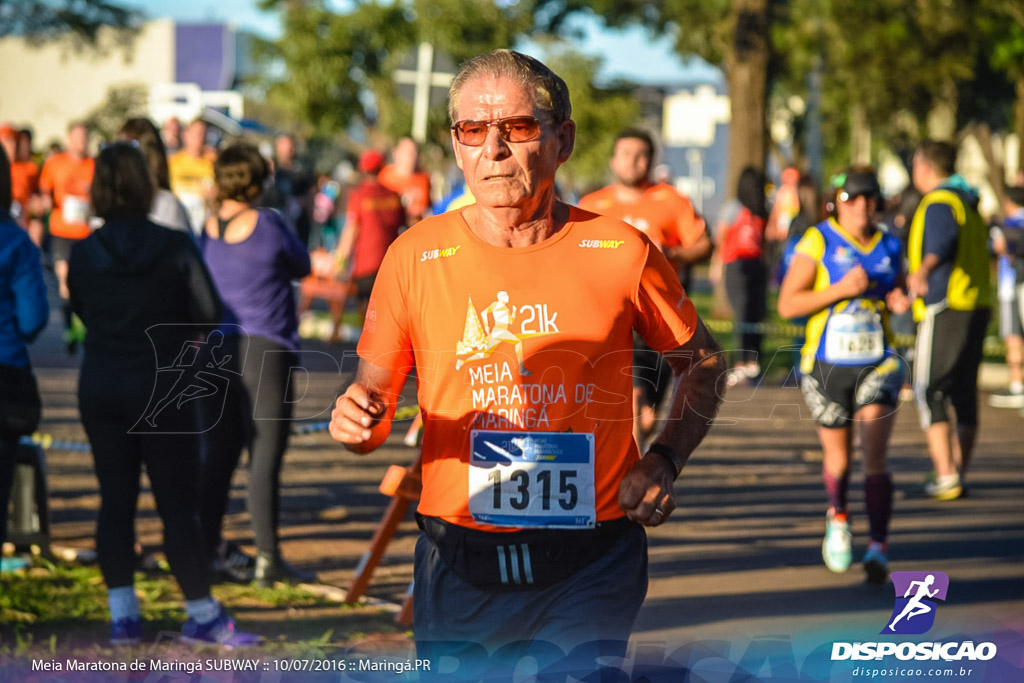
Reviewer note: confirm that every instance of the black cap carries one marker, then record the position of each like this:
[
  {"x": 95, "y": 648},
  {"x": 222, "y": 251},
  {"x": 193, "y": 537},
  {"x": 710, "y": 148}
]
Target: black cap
[{"x": 856, "y": 183}]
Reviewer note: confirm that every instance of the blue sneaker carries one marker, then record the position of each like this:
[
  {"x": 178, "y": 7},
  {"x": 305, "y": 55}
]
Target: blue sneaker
[
  {"x": 876, "y": 564},
  {"x": 221, "y": 631},
  {"x": 124, "y": 632},
  {"x": 836, "y": 548}
]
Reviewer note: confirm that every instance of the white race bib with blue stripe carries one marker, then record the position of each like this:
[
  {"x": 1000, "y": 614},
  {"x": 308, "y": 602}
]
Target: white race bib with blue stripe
[
  {"x": 854, "y": 338},
  {"x": 532, "y": 479}
]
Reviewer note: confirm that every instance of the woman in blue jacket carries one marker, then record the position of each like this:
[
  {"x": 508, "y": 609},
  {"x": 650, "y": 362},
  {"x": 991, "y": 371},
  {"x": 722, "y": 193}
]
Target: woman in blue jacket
[{"x": 23, "y": 315}]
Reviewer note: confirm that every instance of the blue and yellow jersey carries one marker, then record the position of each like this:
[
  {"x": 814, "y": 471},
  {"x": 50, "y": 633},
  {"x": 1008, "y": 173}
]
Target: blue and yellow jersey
[
  {"x": 852, "y": 331},
  {"x": 947, "y": 224}
]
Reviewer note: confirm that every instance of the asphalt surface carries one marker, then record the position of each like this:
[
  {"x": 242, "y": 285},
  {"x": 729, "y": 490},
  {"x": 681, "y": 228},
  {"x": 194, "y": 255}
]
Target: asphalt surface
[{"x": 739, "y": 560}]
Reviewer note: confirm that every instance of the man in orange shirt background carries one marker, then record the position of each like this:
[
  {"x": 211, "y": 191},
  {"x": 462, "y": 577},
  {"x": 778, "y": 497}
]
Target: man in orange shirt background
[
  {"x": 24, "y": 180},
  {"x": 405, "y": 177},
  {"x": 65, "y": 184},
  {"x": 668, "y": 218}
]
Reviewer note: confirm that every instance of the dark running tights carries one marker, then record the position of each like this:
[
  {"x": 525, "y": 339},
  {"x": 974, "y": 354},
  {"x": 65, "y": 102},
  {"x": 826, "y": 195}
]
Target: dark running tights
[
  {"x": 256, "y": 416},
  {"x": 172, "y": 463},
  {"x": 746, "y": 282},
  {"x": 8, "y": 453}
]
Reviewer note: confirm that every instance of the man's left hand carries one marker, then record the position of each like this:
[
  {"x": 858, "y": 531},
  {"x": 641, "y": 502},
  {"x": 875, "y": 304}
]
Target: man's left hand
[{"x": 646, "y": 492}]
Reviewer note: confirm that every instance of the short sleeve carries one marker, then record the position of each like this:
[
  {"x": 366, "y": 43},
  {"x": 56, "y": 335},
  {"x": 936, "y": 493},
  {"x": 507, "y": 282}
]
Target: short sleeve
[
  {"x": 941, "y": 231},
  {"x": 386, "y": 342},
  {"x": 689, "y": 225},
  {"x": 664, "y": 316},
  {"x": 811, "y": 245}
]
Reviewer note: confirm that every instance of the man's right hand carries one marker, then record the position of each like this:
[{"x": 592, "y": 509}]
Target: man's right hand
[
  {"x": 917, "y": 284},
  {"x": 355, "y": 414}
]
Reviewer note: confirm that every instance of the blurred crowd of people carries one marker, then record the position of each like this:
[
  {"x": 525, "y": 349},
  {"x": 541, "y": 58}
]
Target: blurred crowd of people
[{"x": 163, "y": 242}]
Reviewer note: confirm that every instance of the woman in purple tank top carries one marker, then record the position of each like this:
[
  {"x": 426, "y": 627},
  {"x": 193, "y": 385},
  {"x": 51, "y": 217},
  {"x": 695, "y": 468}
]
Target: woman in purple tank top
[{"x": 253, "y": 258}]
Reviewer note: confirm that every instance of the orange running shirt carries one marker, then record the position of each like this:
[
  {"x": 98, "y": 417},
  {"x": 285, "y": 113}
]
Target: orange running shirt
[
  {"x": 415, "y": 189},
  {"x": 24, "y": 180},
  {"x": 464, "y": 312},
  {"x": 69, "y": 179},
  {"x": 24, "y": 184},
  {"x": 661, "y": 213}
]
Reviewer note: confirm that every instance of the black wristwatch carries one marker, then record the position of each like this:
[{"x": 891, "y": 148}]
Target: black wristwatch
[{"x": 669, "y": 454}]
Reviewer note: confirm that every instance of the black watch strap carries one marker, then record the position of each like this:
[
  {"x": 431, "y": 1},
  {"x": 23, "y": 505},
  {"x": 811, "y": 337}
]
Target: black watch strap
[{"x": 669, "y": 454}]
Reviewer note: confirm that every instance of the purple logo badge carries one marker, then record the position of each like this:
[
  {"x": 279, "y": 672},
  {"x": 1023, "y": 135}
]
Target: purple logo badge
[{"x": 914, "y": 611}]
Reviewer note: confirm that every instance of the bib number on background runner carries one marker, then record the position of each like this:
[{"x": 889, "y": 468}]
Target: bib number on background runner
[
  {"x": 532, "y": 479},
  {"x": 855, "y": 337},
  {"x": 75, "y": 209}
]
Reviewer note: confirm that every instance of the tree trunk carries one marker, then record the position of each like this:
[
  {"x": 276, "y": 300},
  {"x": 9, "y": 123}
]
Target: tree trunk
[
  {"x": 860, "y": 136},
  {"x": 1018, "y": 128},
  {"x": 995, "y": 171},
  {"x": 747, "y": 69},
  {"x": 941, "y": 122}
]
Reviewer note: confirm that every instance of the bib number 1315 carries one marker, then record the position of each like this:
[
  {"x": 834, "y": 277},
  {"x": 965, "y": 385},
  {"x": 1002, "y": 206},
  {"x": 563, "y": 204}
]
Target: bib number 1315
[
  {"x": 535, "y": 479},
  {"x": 517, "y": 489}
]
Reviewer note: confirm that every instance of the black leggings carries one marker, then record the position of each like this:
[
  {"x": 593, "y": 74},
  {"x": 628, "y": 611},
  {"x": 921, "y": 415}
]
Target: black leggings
[
  {"x": 8, "y": 456},
  {"x": 257, "y": 416},
  {"x": 172, "y": 463},
  {"x": 746, "y": 282}
]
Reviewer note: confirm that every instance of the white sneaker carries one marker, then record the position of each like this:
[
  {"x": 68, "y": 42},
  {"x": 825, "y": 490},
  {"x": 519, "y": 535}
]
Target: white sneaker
[
  {"x": 837, "y": 547},
  {"x": 1007, "y": 399},
  {"x": 944, "y": 488}
]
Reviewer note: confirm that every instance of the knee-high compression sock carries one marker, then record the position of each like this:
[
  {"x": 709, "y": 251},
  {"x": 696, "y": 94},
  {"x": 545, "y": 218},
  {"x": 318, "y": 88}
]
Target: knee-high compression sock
[
  {"x": 835, "y": 488},
  {"x": 878, "y": 499}
]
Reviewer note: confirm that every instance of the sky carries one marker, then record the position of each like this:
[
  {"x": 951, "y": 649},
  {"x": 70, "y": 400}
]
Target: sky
[{"x": 628, "y": 54}]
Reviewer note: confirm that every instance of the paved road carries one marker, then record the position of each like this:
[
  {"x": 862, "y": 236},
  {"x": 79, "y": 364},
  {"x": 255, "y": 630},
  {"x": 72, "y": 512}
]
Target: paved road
[{"x": 738, "y": 561}]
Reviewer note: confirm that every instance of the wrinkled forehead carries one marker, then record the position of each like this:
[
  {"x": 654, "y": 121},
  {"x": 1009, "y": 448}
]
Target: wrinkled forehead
[{"x": 482, "y": 95}]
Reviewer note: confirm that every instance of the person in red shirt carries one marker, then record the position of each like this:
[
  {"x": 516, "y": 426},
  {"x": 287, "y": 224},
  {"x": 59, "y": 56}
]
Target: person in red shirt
[
  {"x": 669, "y": 220},
  {"x": 405, "y": 177},
  {"x": 372, "y": 221},
  {"x": 517, "y": 313},
  {"x": 65, "y": 184}
]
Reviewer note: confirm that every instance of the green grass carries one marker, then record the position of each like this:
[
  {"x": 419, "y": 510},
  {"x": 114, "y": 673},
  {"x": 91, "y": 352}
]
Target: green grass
[{"x": 52, "y": 609}]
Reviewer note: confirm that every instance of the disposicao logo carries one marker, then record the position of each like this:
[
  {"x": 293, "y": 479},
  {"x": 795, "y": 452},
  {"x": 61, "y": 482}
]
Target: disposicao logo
[
  {"x": 916, "y": 592},
  {"x": 914, "y": 613}
]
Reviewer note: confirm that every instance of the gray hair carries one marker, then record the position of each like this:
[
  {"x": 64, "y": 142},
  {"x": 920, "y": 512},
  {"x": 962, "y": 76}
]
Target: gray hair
[{"x": 550, "y": 93}]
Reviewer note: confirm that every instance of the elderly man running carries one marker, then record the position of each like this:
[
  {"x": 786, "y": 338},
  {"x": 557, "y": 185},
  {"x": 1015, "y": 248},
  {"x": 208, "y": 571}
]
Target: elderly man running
[{"x": 535, "y": 496}]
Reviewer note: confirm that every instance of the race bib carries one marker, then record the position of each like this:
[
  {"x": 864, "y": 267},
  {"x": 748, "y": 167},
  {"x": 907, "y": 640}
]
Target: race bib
[
  {"x": 75, "y": 209},
  {"x": 854, "y": 338},
  {"x": 532, "y": 479}
]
